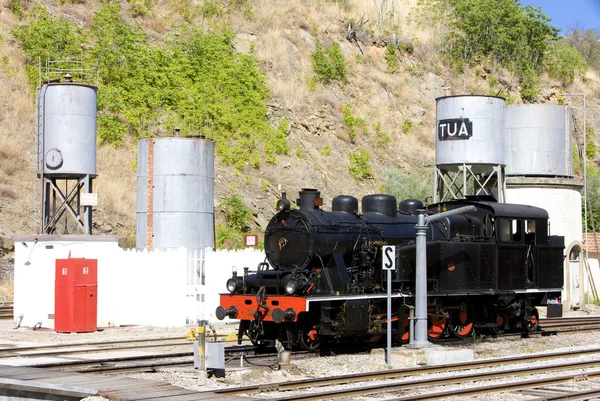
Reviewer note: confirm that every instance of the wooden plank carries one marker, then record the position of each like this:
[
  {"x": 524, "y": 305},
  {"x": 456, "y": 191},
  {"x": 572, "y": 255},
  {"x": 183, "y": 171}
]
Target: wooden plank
[
  {"x": 93, "y": 382},
  {"x": 34, "y": 375},
  {"x": 46, "y": 388},
  {"x": 127, "y": 393}
]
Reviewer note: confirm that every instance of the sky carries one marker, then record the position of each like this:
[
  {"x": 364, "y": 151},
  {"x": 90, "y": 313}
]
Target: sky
[{"x": 566, "y": 12}]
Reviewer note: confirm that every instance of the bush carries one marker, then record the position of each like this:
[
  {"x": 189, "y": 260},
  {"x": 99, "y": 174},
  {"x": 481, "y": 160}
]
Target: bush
[
  {"x": 563, "y": 62},
  {"x": 354, "y": 124},
  {"x": 329, "y": 63},
  {"x": 359, "y": 165},
  {"x": 407, "y": 127},
  {"x": 405, "y": 185},
  {"x": 237, "y": 214},
  {"x": 382, "y": 138}
]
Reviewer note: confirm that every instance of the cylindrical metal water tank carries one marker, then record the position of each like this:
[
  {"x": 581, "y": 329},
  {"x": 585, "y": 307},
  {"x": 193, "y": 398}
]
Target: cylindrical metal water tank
[
  {"x": 66, "y": 129},
  {"x": 470, "y": 130},
  {"x": 175, "y": 184},
  {"x": 538, "y": 140}
]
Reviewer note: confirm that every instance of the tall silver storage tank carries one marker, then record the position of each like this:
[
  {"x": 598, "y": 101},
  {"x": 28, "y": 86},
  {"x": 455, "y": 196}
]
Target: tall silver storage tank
[
  {"x": 539, "y": 140},
  {"x": 66, "y": 129},
  {"x": 470, "y": 130},
  {"x": 176, "y": 175}
]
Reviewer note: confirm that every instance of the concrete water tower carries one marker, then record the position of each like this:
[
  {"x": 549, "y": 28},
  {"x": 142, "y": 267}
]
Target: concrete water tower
[
  {"x": 470, "y": 148},
  {"x": 175, "y": 193},
  {"x": 540, "y": 173},
  {"x": 66, "y": 154}
]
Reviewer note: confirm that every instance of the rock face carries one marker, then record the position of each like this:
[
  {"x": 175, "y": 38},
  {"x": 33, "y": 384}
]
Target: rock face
[{"x": 7, "y": 260}]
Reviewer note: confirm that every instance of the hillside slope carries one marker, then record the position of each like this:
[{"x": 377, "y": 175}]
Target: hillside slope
[{"x": 386, "y": 107}]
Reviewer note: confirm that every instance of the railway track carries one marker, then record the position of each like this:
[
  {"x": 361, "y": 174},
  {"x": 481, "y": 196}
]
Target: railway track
[
  {"x": 409, "y": 372},
  {"x": 569, "y": 321},
  {"x": 393, "y": 383},
  {"x": 148, "y": 362},
  {"x": 153, "y": 355}
]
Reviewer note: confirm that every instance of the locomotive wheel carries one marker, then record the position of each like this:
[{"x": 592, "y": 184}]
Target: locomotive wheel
[
  {"x": 309, "y": 337},
  {"x": 436, "y": 326},
  {"x": 534, "y": 323},
  {"x": 461, "y": 320},
  {"x": 502, "y": 323},
  {"x": 406, "y": 336}
]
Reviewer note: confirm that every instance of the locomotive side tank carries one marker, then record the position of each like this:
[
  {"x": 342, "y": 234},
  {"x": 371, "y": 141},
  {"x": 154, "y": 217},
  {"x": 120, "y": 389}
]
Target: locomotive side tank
[{"x": 487, "y": 271}]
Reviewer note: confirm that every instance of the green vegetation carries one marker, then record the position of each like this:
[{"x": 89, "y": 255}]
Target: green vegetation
[
  {"x": 237, "y": 214},
  {"x": 359, "y": 165},
  {"x": 593, "y": 188},
  {"x": 563, "y": 62},
  {"x": 329, "y": 63},
  {"x": 392, "y": 53},
  {"x": 407, "y": 127},
  {"x": 587, "y": 43},
  {"x": 326, "y": 151},
  {"x": 194, "y": 80},
  {"x": 405, "y": 185},
  {"x": 354, "y": 124},
  {"x": 502, "y": 32},
  {"x": 382, "y": 138},
  {"x": 238, "y": 217}
]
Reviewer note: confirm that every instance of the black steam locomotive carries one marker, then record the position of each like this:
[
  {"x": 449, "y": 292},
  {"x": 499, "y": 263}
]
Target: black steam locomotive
[{"x": 487, "y": 271}]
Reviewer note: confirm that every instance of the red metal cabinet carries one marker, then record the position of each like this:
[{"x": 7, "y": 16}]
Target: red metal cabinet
[{"x": 75, "y": 296}]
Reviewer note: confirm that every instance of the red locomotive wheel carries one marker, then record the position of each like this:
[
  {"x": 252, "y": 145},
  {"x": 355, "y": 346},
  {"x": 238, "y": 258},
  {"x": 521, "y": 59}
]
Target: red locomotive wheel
[
  {"x": 436, "y": 326},
  {"x": 309, "y": 338},
  {"x": 502, "y": 322},
  {"x": 461, "y": 320},
  {"x": 534, "y": 323}
]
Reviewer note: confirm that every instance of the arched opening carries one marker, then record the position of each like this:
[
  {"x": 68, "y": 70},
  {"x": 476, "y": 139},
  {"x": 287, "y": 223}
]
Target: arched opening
[{"x": 574, "y": 276}]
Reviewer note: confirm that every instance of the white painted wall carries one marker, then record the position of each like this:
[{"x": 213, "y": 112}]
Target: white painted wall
[
  {"x": 563, "y": 206},
  {"x": 162, "y": 288},
  {"x": 564, "y": 210}
]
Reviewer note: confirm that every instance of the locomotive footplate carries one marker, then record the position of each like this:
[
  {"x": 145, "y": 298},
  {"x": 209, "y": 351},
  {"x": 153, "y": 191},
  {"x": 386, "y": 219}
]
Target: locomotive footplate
[{"x": 246, "y": 306}]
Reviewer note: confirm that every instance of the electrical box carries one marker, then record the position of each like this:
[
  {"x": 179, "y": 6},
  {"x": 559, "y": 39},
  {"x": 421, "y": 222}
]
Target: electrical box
[
  {"x": 215, "y": 359},
  {"x": 554, "y": 310},
  {"x": 75, "y": 296}
]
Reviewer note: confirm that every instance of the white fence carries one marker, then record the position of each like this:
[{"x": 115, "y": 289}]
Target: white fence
[{"x": 170, "y": 288}]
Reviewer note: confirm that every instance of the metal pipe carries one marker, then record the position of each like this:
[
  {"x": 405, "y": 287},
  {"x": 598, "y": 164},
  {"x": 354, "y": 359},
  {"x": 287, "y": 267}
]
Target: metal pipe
[
  {"x": 421, "y": 282},
  {"x": 389, "y": 320}
]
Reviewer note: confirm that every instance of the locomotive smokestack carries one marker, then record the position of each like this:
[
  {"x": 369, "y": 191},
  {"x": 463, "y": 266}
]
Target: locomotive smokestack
[{"x": 310, "y": 199}]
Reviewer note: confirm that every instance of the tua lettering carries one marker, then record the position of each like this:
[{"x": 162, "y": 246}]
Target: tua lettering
[{"x": 456, "y": 128}]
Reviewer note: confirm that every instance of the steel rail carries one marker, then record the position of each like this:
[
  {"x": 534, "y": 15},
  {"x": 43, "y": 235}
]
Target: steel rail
[
  {"x": 64, "y": 364},
  {"x": 93, "y": 350},
  {"x": 578, "y": 395},
  {"x": 455, "y": 379},
  {"x": 515, "y": 385},
  {"x": 398, "y": 373}
]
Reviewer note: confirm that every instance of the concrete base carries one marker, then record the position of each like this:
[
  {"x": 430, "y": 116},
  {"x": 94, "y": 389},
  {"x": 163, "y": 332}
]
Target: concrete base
[{"x": 443, "y": 356}]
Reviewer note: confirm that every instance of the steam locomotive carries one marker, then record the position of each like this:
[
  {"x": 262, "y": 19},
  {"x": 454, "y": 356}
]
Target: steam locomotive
[{"x": 322, "y": 280}]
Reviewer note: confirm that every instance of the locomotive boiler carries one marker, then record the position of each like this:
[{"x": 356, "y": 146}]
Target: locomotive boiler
[{"x": 322, "y": 279}]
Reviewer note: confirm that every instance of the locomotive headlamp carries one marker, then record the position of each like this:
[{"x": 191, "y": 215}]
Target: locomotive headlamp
[
  {"x": 234, "y": 284},
  {"x": 231, "y": 285},
  {"x": 283, "y": 203},
  {"x": 291, "y": 286}
]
